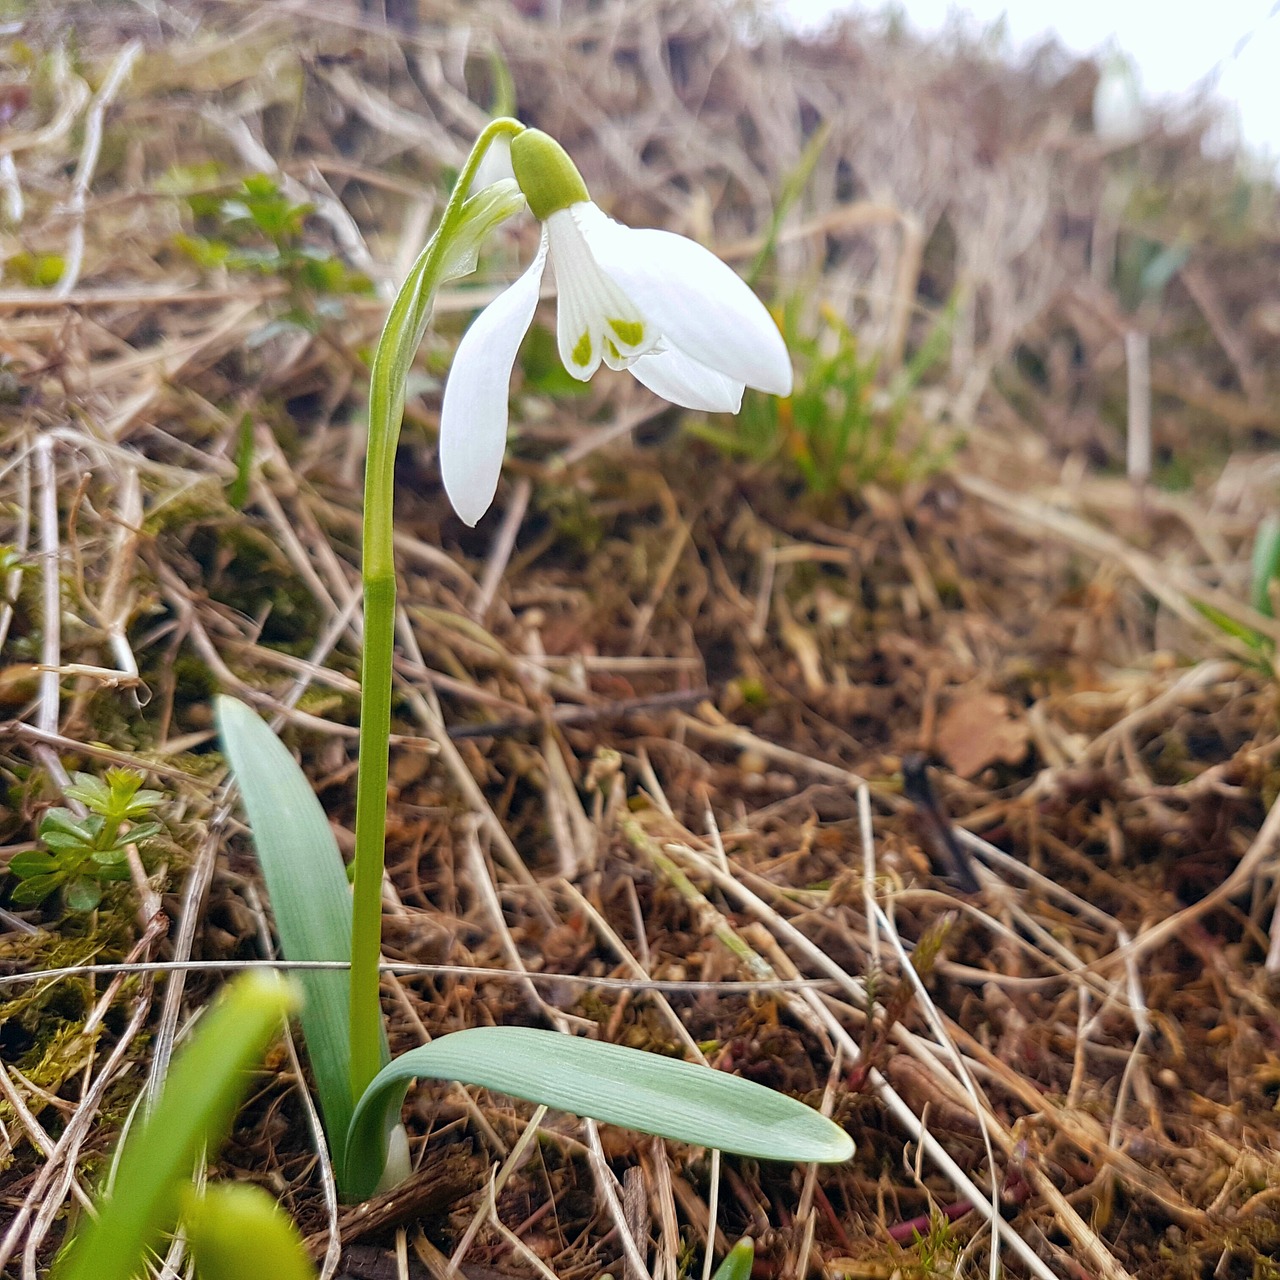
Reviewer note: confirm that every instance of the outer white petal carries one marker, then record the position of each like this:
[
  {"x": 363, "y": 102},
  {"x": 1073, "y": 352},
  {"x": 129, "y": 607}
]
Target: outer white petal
[
  {"x": 682, "y": 380},
  {"x": 473, "y": 416},
  {"x": 701, "y": 306}
]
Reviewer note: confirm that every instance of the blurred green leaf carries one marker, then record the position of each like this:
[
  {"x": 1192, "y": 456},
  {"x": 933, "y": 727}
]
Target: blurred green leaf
[
  {"x": 737, "y": 1263},
  {"x": 236, "y": 1231},
  {"x": 82, "y": 894},
  {"x": 1265, "y": 568},
  {"x": 208, "y": 1079},
  {"x": 238, "y": 490}
]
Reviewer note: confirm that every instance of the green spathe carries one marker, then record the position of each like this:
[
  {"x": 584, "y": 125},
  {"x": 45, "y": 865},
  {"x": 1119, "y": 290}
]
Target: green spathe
[{"x": 549, "y": 179}]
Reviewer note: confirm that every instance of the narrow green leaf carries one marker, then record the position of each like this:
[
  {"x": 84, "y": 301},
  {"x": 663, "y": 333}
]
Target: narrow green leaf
[
  {"x": 626, "y": 1087},
  {"x": 737, "y": 1262},
  {"x": 205, "y": 1086},
  {"x": 236, "y": 1230},
  {"x": 1266, "y": 565},
  {"x": 238, "y": 490},
  {"x": 1227, "y": 624},
  {"x": 792, "y": 189},
  {"x": 310, "y": 897}
]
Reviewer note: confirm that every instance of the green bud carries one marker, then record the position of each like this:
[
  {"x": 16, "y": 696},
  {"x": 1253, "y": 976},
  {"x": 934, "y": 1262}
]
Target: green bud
[{"x": 549, "y": 179}]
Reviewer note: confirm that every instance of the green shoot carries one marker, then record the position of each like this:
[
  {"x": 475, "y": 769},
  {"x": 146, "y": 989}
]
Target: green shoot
[
  {"x": 451, "y": 252},
  {"x": 1265, "y": 569},
  {"x": 737, "y": 1263}
]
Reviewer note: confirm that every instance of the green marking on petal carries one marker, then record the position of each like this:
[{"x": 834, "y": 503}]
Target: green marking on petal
[
  {"x": 613, "y": 350},
  {"x": 581, "y": 353},
  {"x": 631, "y": 332}
]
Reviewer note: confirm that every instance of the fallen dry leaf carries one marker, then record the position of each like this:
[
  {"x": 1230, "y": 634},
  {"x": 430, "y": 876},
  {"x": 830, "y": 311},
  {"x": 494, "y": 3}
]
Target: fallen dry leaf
[{"x": 978, "y": 729}]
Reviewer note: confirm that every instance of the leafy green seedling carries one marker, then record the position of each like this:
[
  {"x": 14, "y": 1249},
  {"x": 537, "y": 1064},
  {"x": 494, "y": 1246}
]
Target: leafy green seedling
[
  {"x": 260, "y": 230},
  {"x": 82, "y": 855},
  {"x": 209, "y": 1078}
]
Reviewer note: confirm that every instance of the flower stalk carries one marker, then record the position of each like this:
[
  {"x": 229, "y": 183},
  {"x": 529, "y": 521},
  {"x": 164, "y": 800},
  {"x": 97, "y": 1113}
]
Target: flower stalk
[{"x": 406, "y": 323}]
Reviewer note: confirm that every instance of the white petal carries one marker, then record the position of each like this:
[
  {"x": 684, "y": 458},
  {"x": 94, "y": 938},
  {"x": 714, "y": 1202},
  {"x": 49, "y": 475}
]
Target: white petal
[
  {"x": 682, "y": 380},
  {"x": 595, "y": 320},
  {"x": 473, "y": 416},
  {"x": 701, "y": 306}
]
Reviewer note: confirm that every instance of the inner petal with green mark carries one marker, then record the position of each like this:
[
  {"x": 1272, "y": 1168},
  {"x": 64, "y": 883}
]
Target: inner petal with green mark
[
  {"x": 595, "y": 319},
  {"x": 630, "y": 332}
]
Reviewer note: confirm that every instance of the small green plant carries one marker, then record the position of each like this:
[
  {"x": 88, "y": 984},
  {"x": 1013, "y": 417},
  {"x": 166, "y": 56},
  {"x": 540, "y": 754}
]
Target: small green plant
[
  {"x": 936, "y": 1250},
  {"x": 258, "y": 229},
  {"x": 837, "y": 430},
  {"x": 82, "y": 855},
  {"x": 1264, "y": 573}
]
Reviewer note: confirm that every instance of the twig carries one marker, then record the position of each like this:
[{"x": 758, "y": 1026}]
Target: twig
[
  {"x": 89, "y": 152},
  {"x": 608, "y": 1189}
]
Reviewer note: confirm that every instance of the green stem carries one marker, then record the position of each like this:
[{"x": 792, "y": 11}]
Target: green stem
[{"x": 386, "y": 409}]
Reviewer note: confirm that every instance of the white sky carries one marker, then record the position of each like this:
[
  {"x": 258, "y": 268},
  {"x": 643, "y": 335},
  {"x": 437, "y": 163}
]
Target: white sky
[{"x": 1175, "y": 45}]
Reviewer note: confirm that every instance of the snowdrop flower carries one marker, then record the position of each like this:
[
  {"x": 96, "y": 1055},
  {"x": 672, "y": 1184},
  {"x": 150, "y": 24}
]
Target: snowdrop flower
[
  {"x": 1117, "y": 101},
  {"x": 660, "y": 305}
]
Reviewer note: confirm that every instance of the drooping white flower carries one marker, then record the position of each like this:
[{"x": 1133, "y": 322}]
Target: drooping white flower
[{"x": 660, "y": 305}]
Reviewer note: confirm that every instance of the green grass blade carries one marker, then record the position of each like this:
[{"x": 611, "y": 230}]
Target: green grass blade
[
  {"x": 208, "y": 1080},
  {"x": 737, "y": 1262},
  {"x": 1266, "y": 565},
  {"x": 626, "y": 1087},
  {"x": 310, "y": 897}
]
